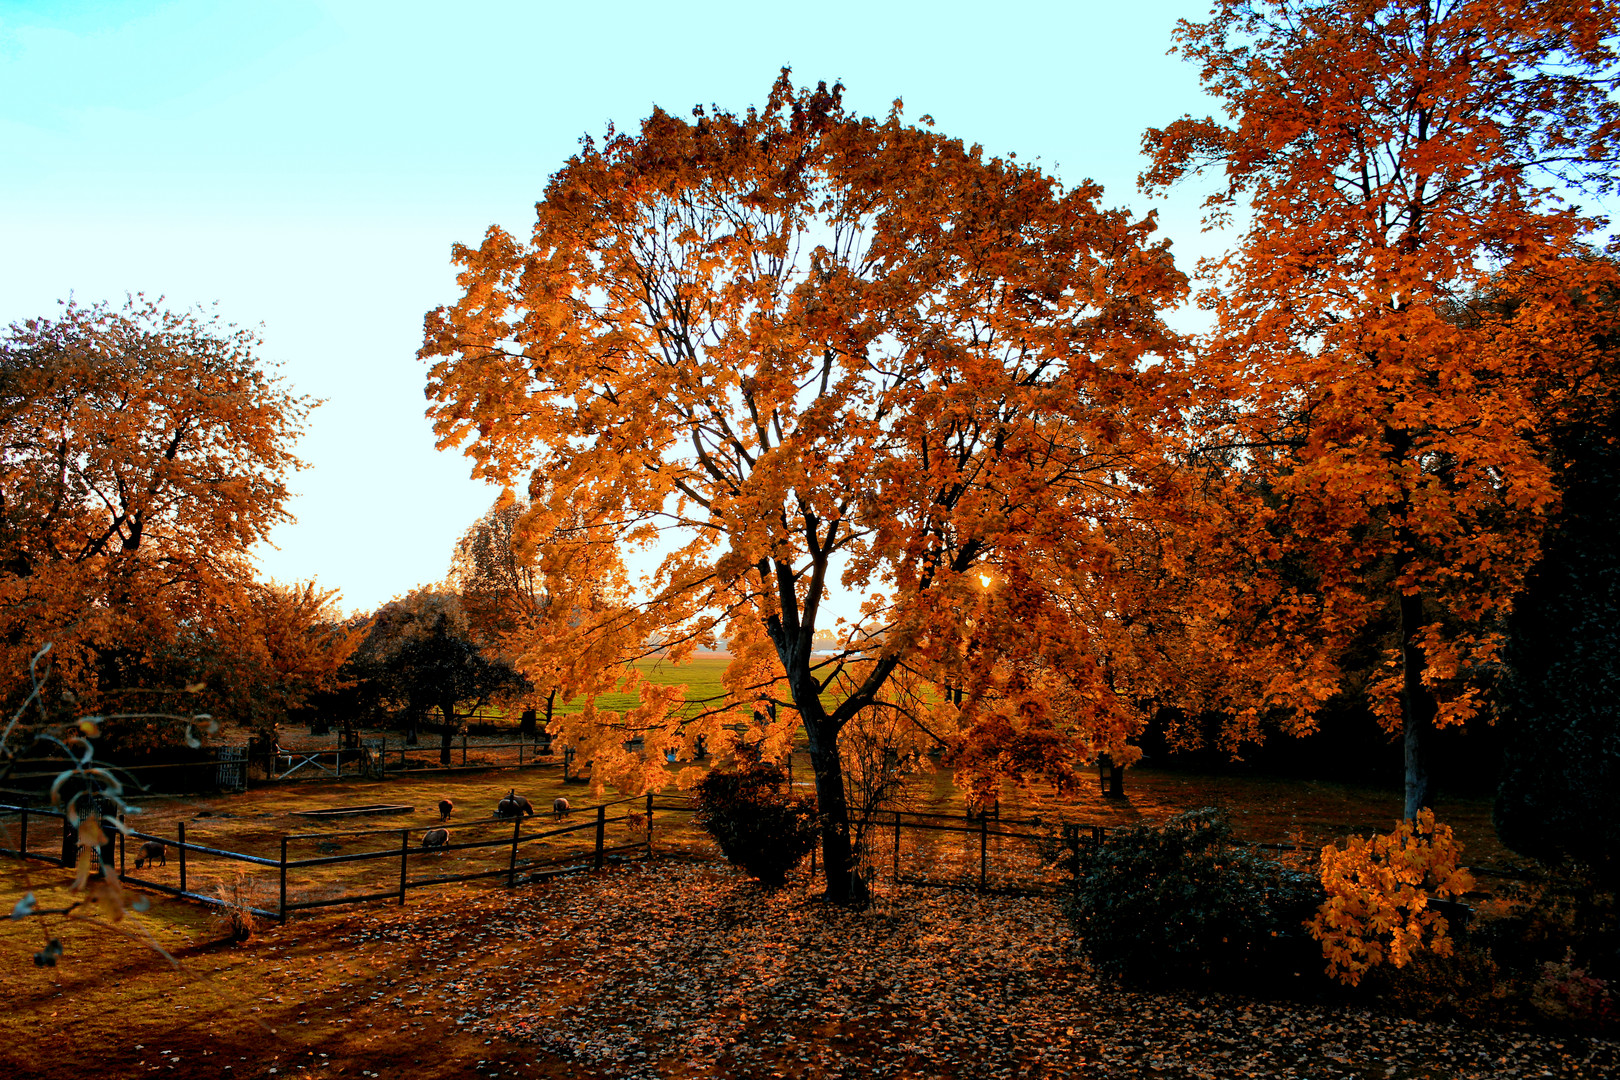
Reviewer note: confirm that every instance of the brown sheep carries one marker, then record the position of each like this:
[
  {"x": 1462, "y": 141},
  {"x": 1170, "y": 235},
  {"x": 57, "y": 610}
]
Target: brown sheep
[
  {"x": 445, "y": 806},
  {"x": 513, "y": 805},
  {"x": 560, "y": 808},
  {"x": 151, "y": 851}
]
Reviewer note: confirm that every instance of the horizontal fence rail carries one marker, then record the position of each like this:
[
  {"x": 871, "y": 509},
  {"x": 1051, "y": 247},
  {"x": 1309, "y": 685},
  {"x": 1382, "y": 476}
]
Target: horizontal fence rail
[{"x": 180, "y": 857}]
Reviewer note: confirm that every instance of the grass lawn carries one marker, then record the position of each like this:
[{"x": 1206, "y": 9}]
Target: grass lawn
[{"x": 700, "y": 676}]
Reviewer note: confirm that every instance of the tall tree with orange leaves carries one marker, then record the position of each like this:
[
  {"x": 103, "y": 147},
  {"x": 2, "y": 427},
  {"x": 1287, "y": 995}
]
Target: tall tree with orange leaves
[
  {"x": 1387, "y": 160},
  {"x": 813, "y": 351},
  {"x": 145, "y": 452}
]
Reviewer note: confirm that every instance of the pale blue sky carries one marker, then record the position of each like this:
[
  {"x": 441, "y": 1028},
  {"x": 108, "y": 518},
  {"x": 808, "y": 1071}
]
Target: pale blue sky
[{"x": 308, "y": 164}]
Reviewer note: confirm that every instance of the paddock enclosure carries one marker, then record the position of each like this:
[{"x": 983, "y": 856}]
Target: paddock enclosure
[{"x": 277, "y": 874}]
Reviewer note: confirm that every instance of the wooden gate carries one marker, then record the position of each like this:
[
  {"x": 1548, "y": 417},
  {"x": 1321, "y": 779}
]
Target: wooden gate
[{"x": 231, "y": 768}]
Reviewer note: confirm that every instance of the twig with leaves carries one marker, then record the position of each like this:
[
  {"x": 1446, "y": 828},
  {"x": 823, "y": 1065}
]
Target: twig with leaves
[{"x": 89, "y": 793}]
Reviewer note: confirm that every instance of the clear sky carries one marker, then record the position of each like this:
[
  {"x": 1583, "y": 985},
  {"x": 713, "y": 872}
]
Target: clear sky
[{"x": 308, "y": 165}]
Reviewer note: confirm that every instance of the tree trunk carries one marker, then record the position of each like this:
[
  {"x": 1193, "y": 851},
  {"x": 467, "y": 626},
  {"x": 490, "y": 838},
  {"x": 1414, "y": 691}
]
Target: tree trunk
[
  {"x": 844, "y": 885},
  {"x": 1417, "y": 708},
  {"x": 447, "y": 732}
]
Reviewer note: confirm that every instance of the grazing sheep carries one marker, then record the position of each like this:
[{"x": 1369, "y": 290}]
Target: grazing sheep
[
  {"x": 151, "y": 851},
  {"x": 560, "y": 808},
  {"x": 445, "y": 806},
  {"x": 513, "y": 805},
  {"x": 435, "y": 838}
]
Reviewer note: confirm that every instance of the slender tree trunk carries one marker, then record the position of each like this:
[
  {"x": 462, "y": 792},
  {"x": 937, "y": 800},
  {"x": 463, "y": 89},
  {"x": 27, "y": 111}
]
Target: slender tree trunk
[
  {"x": 447, "y": 732},
  {"x": 1418, "y": 708},
  {"x": 844, "y": 885}
]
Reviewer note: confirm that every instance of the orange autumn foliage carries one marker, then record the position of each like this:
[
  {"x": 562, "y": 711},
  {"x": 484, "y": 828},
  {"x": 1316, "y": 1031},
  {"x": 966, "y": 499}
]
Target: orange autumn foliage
[
  {"x": 1379, "y": 888},
  {"x": 811, "y": 351},
  {"x": 145, "y": 455},
  {"x": 1371, "y": 430}
]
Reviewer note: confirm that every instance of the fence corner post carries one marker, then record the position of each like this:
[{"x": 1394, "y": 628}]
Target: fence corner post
[
  {"x": 601, "y": 831},
  {"x": 404, "y": 859}
]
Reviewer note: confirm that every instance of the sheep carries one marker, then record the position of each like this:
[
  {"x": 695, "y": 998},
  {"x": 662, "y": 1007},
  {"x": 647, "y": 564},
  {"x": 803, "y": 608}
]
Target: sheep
[
  {"x": 445, "y": 806},
  {"x": 151, "y": 851},
  {"x": 513, "y": 805},
  {"x": 560, "y": 808},
  {"x": 435, "y": 838}
]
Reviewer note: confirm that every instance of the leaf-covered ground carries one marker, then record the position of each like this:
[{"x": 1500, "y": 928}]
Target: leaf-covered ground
[{"x": 681, "y": 968}]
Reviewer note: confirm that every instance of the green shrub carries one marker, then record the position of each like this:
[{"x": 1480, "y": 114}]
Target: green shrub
[
  {"x": 1467, "y": 985},
  {"x": 758, "y": 827},
  {"x": 1181, "y": 903}
]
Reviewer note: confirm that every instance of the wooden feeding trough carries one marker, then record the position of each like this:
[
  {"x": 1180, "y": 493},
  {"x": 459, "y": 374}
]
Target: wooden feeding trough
[{"x": 342, "y": 813}]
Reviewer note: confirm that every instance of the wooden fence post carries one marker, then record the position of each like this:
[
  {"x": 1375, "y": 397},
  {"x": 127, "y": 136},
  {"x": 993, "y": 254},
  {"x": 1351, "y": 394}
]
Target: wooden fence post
[
  {"x": 601, "y": 830},
  {"x": 984, "y": 839},
  {"x": 511, "y": 867},
  {"x": 649, "y": 824},
  {"x": 897, "y": 845},
  {"x": 181, "y": 828},
  {"x": 281, "y": 912},
  {"x": 463, "y": 748},
  {"x": 404, "y": 857},
  {"x": 520, "y": 751},
  {"x": 22, "y": 834}
]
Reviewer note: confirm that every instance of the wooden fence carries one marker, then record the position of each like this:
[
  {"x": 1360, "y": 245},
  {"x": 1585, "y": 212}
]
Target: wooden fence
[
  {"x": 978, "y": 851},
  {"x": 292, "y": 874},
  {"x": 223, "y": 768}
]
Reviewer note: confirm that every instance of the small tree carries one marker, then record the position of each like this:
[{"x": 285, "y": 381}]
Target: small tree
[
  {"x": 757, "y": 822},
  {"x": 420, "y": 656}
]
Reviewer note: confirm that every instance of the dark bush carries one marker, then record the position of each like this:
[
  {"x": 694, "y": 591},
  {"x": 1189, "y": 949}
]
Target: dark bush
[
  {"x": 1182, "y": 903},
  {"x": 756, "y": 824}
]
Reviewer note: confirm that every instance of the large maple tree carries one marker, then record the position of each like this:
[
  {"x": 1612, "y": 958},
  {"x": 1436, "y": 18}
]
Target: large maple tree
[
  {"x": 145, "y": 452},
  {"x": 810, "y": 351},
  {"x": 1386, "y": 160}
]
